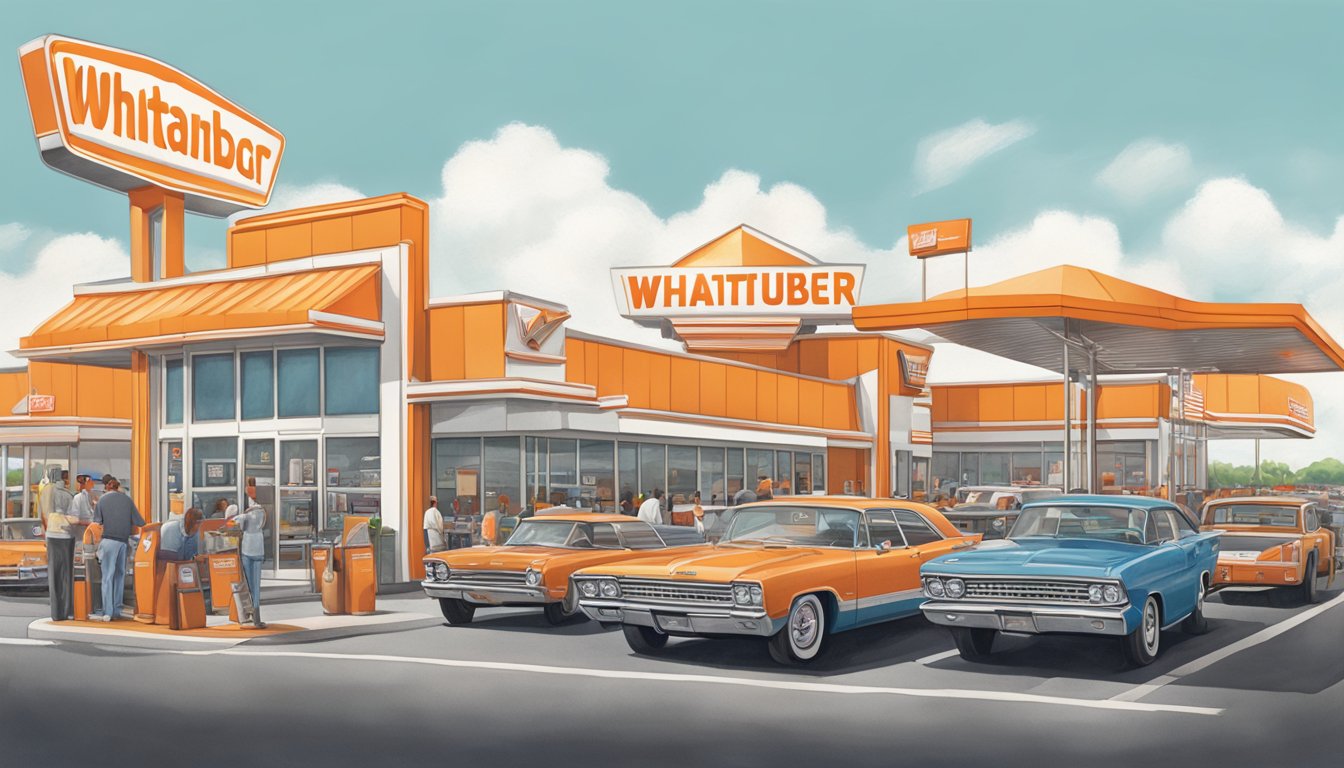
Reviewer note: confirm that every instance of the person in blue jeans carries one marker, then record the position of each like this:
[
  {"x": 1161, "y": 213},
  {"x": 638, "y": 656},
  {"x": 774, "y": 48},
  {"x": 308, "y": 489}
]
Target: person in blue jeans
[
  {"x": 252, "y": 522},
  {"x": 119, "y": 518}
]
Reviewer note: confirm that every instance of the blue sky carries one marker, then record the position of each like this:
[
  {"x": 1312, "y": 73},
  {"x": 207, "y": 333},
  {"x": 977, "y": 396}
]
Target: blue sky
[{"x": 869, "y": 115}]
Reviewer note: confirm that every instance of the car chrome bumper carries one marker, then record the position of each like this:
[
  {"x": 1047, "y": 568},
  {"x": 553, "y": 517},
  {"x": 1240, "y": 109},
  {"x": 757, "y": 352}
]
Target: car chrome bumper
[
  {"x": 1031, "y": 619},
  {"x": 1257, "y": 573},
  {"x": 23, "y": 574},
  {"x": 489, "y": 595},
  {"x": 681, "y": 620}
]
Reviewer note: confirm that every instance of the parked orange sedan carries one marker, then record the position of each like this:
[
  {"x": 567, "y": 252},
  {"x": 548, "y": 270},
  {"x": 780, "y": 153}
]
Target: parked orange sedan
[
  {"x": 1271, "y": 541},
  {"x": 533, "y": 567},
  {"x": 793, "y": 570},
  {"x": 23, "y": 553}
]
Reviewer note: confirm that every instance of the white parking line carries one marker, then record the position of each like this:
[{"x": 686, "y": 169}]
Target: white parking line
[
  {"x": 612, "y": 674},
  {"x": 24, "y": 641},
  {"x": 937, "y": 657},
  {"x": 1209, "y": 659}
]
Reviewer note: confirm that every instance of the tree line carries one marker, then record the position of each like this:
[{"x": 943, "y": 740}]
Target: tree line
[{"x": 1322, "y": 472}]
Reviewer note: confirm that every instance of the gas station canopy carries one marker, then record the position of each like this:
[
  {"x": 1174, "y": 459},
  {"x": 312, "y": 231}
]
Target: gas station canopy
[{"x": 1132, "y": 328}]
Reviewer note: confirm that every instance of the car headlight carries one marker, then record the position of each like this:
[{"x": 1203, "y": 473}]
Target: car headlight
[
  {"x": 955, "y": 588},
  {"x": 588, "y": 588},
  {"x": 533, "y": 577},
  {"x": 1110, "y": 593},
  {"x": 1094, "y": 593},
  {"x": 436, "y": 570},
  {"x": 747, "y": 594},
  {"x": 934, "y": 587},
  {"x": 609, "y": 588}
]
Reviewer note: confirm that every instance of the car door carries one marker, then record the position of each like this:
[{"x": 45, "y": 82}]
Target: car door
[
  {"x": 888, "y": 570},
  {"x": 1317, "y": 537},
  {"x": 1170, "y": 529}
]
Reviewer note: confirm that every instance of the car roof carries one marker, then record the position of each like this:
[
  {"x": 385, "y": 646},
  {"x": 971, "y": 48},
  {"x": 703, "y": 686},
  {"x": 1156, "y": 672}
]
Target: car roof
[
  {"x": 587, "y": 517},
  {"x": 1281, "y": 500},
  {"x": 1141, "y": 502},
  {"x": 838, "y": 501}
]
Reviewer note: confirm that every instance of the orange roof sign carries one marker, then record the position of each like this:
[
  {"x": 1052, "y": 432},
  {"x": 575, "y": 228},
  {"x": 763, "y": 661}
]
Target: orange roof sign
[
  {"x": 939, "y": 237},
  {"x": 122, "y": 120}
]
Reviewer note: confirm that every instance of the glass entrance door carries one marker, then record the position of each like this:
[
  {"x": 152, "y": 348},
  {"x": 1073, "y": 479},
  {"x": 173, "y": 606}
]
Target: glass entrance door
[
  {"x": 259, "y": 487},
  {"x": 298, "y": 515}
]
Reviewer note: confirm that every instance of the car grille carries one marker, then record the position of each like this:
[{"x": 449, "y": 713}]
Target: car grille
[
  {"x": 677, "y": 592},
  {"x": 486, "y": 578},
  {"x": 1027, "y": 590}
]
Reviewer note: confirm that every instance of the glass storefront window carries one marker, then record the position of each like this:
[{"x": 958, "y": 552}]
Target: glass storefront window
[
  {"x": 258, "y": 382},
  {"x": 502, "y": 468},
  {"x": 214, "y": 474},
  {"x": 652, "y": 468},
  {"x": 1054, "y": 469},
  {"x": 564, "y": 470},
  {"x": 351, "y": 380},
  {"x": 353, "y": 475},
  {"x": 172, "y": 391},
  {"x": 994, "y": 468},
  {"x": 457, "y": 472},
  {"x": 681, "y": 460},
  {"x": 901, "y": 468},
  {"x": 784, "y": 473},
  {"x": 627, "y": 461},
  {"x": 173, "y": 476},
  {"x": 819, "y": 473},
  {"x": 712, "y": 488},
  {"x": 1126, "y": 463},
  {"x": 13, "y": 488},
  {"x": 946, "y": 469},
  {"x": 597, "y": 471},
  {"x": 919, "y": 478},
  {"x": 297, "y": 382},
  {"x": 1027, "y": 467},
  {"x": 212, "y": 391},
  {"x": 760, "y": 464},
  {"x": 970, "y": 469},
  {"x": 802, "y": 473},
  {"x": 736, "y": 468},
  {"x": 538, "y": 471}
]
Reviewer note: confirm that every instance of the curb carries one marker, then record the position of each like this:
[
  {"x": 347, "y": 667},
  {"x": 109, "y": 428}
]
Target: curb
[{"x": 42, "y": 629}]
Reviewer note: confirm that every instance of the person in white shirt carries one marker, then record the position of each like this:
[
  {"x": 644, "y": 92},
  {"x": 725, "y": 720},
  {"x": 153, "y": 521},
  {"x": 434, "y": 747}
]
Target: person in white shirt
[
  {"x": 252, "y": 522},
  {"x": 434, "y": 527},
  {"x": 81, "y": 507},
  {"x": 651, "y": 511}
]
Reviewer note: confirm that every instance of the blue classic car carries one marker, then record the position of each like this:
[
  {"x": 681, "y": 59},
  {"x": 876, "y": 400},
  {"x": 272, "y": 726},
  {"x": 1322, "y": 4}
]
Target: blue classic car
[{"x": 1126, "y": 566}]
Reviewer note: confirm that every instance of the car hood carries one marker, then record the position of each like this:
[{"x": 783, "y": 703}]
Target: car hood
[
  {"x": 501, "y": 558},
  {"x": 13, "y": 552},
  {"x": 720, "y": 564},
  {"x": 1041, "y": 557}
]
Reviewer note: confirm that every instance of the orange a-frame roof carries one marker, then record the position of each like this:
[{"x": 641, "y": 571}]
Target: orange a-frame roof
[
  {"x": 344, "y": 299},
  {"x": 1134, "y": 328}
]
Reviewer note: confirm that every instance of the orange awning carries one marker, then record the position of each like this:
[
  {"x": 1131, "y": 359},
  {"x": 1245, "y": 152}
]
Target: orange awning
[
  {"x": 133, "y": 315},
  {"x": 1134, "y": 328}
]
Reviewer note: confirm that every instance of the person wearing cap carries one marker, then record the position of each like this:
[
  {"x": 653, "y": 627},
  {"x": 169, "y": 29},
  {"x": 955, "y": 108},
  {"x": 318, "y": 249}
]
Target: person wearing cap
[
  {"x": 433, "y": 527},
  {"x": 252, "y": 522},
  {"x": 53, "y": 506},
  {"x": 117, "y": 515}
]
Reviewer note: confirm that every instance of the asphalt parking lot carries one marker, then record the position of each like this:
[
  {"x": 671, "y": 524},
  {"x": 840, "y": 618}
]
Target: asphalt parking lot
[{"x": 1266, "y": 678}]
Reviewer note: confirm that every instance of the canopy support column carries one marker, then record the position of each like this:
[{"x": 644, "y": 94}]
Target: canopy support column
[
  {"x": 1092, "y": 467},
  {"x": 1068, "y": 424}
]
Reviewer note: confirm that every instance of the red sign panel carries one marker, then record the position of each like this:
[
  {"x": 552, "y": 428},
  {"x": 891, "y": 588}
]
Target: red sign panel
[{"x": 41, "y": 403}]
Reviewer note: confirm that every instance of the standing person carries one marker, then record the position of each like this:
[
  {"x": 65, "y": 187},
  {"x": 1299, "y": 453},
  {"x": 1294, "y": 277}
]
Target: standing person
[
  {"x": 490, "y": 527},
  {"x": 81, "y": 506},
  {"x": 765, "y": 488},
  {"x": 651, "y": 511},
  {"x": 628, "y": 503},
  {"x": 698, "y": 512},
  {"x": 252, "y": 523},
  {"x": 53, "y": 504},
  {"x": 117, "y": 514},
  {"x": 433, "y": 527},
  {"x": 177, "y": 538}
]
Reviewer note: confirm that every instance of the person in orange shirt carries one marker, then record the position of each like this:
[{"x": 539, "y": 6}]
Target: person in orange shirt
[
  {"x": 765, "y": 488},
  {"x": 490, "y": 527}
]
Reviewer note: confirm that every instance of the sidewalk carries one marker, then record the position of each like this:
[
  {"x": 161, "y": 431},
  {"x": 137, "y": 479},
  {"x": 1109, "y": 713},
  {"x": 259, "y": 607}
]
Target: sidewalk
[{"x": 293, "y": 622}]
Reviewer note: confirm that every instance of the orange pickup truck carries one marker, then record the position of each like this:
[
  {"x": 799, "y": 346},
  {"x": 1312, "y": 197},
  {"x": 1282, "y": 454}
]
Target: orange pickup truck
[{"x": 1271, "y": 541}]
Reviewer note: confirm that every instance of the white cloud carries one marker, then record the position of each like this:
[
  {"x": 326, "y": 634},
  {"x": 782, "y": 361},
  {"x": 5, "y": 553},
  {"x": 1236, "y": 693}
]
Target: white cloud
[
  {"x": 944, "y": 157},
  {"x": 1146, "y": 167},
  {"x": 34, "y": 295},
  {"x": 523, "y": 212},
  {"x": 289, "y": 196},
  {"x": 12, "y": 235}
]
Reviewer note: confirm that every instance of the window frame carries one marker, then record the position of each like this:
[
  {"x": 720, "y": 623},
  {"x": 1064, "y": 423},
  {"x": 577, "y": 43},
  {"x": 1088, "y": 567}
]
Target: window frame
[
  {"x": 938, "y": 535},
  {"x": 871, "y": 539}
]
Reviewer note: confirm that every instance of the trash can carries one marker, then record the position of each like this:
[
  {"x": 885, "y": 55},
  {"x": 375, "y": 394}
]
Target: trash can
[
  {"x": 188, "y": 609},
  {"x": 359, "y": 576}
]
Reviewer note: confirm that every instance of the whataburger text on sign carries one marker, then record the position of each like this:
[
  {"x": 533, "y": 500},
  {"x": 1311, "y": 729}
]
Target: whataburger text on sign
[
  {"x": 815, "y": 292},
  {"x": 123, "y": 121}
]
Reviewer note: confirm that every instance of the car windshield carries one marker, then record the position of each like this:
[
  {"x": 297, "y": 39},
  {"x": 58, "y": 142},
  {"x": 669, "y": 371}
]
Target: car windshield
[
  {"x": 541, "y": 533},
  {"x": 20, "y": 530},
  {"x": 1268, "y": 515},
  {"x": 1040, "y": 494},
  {"x": 794, "y": 525},
  {"x": 1081, "y": 522}
]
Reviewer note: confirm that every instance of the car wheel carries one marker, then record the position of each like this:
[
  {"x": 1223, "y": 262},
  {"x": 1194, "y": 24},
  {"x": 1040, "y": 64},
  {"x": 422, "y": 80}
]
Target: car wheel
[
  {"x": 803, "y": 634},
  {"x": 1196, "y": 623},
  {"x": 556, "y": 613},
  {"x": 456, "y": 611},
  {"x": 644, "y": 640},
  {"x": 973, "y": 644},
  {"x": 1308, "y": 589},
  {"x": 1143, "y": 644}
]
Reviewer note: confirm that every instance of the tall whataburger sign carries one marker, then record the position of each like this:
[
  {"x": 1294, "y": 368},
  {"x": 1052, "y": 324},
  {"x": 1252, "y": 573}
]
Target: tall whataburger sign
[
  {"x": 125, "y": 121},
  {"x": 741, "y": 291}
]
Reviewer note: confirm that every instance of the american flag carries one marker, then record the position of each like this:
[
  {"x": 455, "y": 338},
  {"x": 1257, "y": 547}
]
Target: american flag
[{"x": 1194, "y": 401}]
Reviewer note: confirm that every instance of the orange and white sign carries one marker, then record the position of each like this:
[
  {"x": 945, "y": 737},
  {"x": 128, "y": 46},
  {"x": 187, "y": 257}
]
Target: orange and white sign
[
  {"x": 812, "y": 292},
  {"x": 41, "y": 403},
  {"x": 939, "y": 237},
  {"x": 123, "y": 121},
  {"x": 1298, "y": 410}
]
